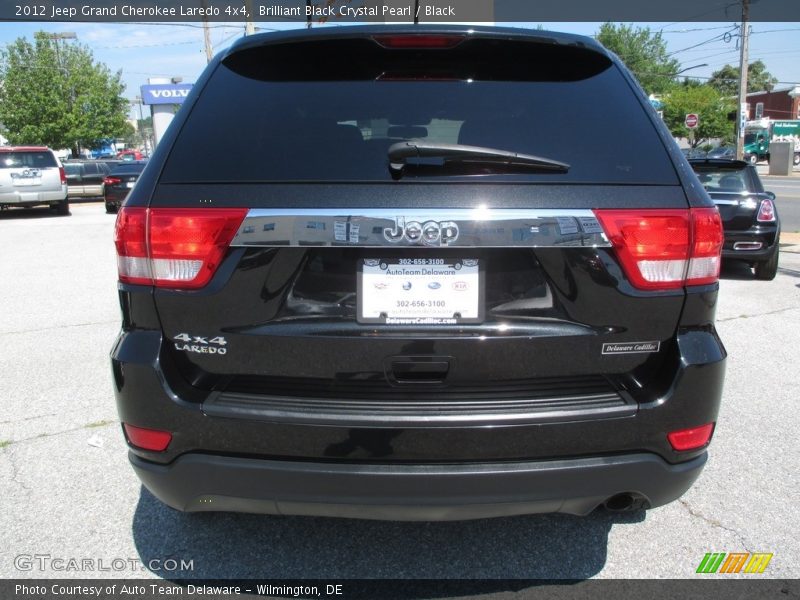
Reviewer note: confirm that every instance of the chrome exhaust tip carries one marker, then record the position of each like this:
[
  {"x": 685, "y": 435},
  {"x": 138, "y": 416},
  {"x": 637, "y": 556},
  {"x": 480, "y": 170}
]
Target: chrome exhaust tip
[{"x": 747, "y": 246}]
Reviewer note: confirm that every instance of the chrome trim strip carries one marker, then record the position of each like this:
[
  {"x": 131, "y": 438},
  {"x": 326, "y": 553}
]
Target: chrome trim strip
[{"x": 421, "y": 227}]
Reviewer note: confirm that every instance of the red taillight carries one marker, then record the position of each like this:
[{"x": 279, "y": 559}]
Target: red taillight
[
  {"x": 187, "y": 246},
  {"x": 130, "y": 238},
  {"x": 63, "y": 174},
  {"x": 766, "y": 212},
  {"x": 112, "y": 180},
  {"x": 692, "y": 438},
  {"x": 173, "y": 247},
  {"x": 415, "y": 40},
  {"x": 707, "y": 240},
  {"x": 147, "y": 439},
  {"x": 665, "y": 249}
]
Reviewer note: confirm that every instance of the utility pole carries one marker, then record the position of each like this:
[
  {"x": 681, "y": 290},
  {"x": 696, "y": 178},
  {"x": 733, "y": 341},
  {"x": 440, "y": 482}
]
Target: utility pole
[
  {"x": 743, "y": 62},
  {"x": 143, "y": 136},
  {"x": 66, "y": 35},
  {"x": 249, "y": 26},
  {"x": 207, "y": 36}
]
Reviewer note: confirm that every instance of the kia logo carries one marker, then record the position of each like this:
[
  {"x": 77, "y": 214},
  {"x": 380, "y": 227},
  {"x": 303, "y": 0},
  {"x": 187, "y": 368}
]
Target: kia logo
[{"x": 429, "y": 233}]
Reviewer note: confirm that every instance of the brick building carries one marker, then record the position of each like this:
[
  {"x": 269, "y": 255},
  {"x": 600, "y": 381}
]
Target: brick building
[{"x": 779, "y": 104}]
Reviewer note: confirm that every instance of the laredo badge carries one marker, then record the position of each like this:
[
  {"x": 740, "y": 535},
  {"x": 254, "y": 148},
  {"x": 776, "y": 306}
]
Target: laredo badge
[{"x": 200, "y": 345}]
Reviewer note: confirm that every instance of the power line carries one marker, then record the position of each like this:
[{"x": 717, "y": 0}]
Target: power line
[
  {"x": 774, "y": 30},
  {"x": 159, "y": 45},
  {"x": 702, "y": 14},
  {"x": 695, "y": 29},
  {"x": 708, "y": 41}
]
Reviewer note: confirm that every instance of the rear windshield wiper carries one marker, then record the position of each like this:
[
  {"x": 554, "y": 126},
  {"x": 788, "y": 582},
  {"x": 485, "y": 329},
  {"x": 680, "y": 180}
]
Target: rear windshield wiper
[{"x": 460, "y": 154}]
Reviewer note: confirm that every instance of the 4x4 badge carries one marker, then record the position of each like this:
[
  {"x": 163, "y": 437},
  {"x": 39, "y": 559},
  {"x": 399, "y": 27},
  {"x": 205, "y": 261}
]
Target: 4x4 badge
[{"x": 199, "y": 344}]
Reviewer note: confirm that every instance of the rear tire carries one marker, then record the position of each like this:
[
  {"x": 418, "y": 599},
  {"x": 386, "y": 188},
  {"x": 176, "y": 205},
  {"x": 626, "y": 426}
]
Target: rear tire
[
  {"x": 767, "y": 269},
  {"x": 752, "y": 159},
  {"x": 796, "y": 160},
  {"x": 110, "y": 209},
  {"x": 63, "y": 207}
]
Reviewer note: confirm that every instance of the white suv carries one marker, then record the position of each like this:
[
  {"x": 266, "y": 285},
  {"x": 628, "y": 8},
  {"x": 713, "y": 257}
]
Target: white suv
[{"x": 30, "y": 176}]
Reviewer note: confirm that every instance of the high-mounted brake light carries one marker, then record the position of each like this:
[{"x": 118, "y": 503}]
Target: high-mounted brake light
[
  {"x": 766, "y": 212},
  {"x": 147, "y": 439},
  {"x": 173, "y": 247},
  {"x": 666, "y": 249},
  {"x": 692, "y": 438},
  {"x": 418, "y": 41}
]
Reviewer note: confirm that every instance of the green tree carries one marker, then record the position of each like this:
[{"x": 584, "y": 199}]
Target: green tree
[
  {"x": 643, "y": 52},
  {"x": 703, "y": 100},
  {"x": 54, "y": 93},
  {"x": 726, "y": 79}
]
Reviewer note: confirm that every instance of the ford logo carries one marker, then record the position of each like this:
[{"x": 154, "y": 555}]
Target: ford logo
[{"x": 434, "y": 285}]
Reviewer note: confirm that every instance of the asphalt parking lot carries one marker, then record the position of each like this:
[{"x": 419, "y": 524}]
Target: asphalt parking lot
[{"x": 68, "y": 491}]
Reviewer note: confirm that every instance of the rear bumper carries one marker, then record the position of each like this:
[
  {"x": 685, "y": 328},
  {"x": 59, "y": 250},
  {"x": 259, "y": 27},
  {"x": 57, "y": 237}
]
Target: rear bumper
[
  {"x": 199, "y": 482},
  {"x": 34, "y": 198},
  {"x": 766, "y": 235},
  {"x": 388, "y": 470}
]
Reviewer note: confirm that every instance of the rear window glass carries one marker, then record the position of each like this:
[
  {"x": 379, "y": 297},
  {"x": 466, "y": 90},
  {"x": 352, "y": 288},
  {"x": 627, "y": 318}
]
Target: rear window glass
[
  {"x": 334, "y": 117},
  {"x": 130, "y": 169},
  {"x": 29, "y": 159},
  {"x": 728, "y": 180}
]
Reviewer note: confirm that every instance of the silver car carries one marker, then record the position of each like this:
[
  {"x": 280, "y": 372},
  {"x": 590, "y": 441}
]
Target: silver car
[{"x": 31, "y": 176}]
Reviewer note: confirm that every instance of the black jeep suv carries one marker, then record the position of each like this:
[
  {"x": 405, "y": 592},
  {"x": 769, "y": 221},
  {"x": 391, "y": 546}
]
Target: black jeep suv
[{"x": 407, "y": 273}]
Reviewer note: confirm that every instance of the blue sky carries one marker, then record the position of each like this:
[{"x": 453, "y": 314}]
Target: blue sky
[{"x": 162, "y": 49}]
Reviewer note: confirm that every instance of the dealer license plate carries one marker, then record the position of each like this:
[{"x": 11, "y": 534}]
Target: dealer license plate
[{"x": 420, "y": 291}]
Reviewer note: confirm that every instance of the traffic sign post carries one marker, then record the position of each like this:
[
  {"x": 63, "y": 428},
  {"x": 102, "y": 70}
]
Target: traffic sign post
[{"x": 691, "y": 120}]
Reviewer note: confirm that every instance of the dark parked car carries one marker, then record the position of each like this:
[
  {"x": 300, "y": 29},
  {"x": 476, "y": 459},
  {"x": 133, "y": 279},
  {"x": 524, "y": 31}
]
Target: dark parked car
[
  {"x": 120, "y": 181},
  {"x": 364, "y": 276},
  {"x": 726, "y": 152},
  {"x": 85, "y": 178},
  {"x": 693, "y": 153},
  {"x": 749, "y": 215}
]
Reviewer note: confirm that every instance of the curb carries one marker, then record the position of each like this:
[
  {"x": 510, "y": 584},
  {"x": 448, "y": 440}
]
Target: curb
[{"x": 790, "y": 238}]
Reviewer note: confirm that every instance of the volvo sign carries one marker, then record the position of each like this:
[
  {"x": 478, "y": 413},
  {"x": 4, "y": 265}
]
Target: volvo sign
[{"x": 165, "y": 93}]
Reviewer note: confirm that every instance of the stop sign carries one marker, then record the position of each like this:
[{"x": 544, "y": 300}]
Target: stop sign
[{"x": 691, "y": 120}]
